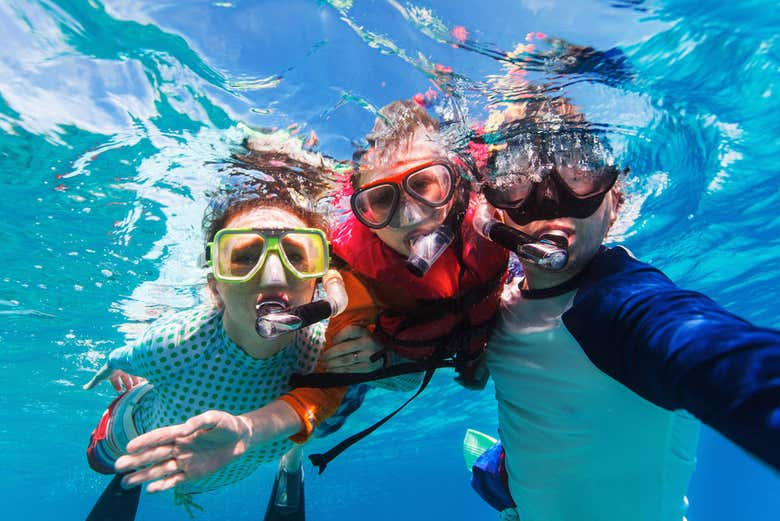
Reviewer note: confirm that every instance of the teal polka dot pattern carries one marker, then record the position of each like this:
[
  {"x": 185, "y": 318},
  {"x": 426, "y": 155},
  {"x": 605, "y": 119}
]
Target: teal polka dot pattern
[{"x": 195, "y": 367}]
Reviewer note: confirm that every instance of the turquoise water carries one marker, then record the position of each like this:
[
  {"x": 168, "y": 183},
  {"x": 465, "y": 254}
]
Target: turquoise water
[{"x": 110, "y": 116}]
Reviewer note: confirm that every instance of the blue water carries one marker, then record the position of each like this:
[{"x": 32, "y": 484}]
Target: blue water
[{"x": 111, "y": 112}]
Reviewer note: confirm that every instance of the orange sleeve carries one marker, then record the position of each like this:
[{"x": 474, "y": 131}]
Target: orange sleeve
[{"x": 314, "y": 405}]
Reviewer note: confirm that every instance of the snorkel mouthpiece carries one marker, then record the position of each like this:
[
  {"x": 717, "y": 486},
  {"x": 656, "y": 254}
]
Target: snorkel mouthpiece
[
  {"x": 557, "y": 238},
  {"x": 548, "y": 252},
  {"x": 425, "y": 249},
  {"x": 275, "y": 319}
]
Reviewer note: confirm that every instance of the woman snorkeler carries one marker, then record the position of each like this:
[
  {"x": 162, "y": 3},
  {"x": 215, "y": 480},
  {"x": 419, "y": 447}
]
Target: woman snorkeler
[{"x": 265, "y": 247}]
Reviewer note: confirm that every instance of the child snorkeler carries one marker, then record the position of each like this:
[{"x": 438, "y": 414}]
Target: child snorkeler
[
  {"x": 265, "y": 248},
  {"x": 423, "y": 285}
]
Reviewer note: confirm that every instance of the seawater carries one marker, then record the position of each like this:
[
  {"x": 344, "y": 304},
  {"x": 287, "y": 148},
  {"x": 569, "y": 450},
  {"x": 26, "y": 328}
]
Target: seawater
[{"x": 113, "y": 113}]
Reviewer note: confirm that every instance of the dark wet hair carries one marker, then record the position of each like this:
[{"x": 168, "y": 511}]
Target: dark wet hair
[{"x": 271, "y": 170}]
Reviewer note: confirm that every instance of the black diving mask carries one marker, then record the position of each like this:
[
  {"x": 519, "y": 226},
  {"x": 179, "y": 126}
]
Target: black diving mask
[{"x": 540, "y": 180}]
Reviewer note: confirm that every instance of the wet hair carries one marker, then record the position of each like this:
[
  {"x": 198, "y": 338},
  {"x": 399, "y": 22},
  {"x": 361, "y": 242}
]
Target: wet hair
[
  {"x": 272, "y": 170},
  {"x": 394, "y": 130},
  {"x": 397, "y": 122}
]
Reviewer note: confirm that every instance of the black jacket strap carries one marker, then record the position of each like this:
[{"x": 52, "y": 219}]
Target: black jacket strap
[
  {"x": 321, "y": 380},
  {"x": 321, "y": 460}
]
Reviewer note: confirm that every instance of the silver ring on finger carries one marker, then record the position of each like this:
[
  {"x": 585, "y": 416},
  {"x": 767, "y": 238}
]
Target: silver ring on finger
[{"x": 355, "y": 356}]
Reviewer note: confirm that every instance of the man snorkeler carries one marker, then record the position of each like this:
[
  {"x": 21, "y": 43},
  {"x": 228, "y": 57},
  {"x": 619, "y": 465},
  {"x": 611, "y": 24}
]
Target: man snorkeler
[{"x": 599, "y": 367}]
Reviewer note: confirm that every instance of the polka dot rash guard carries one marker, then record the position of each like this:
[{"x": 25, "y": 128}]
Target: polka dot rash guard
[{"x": 194, "y": 367}]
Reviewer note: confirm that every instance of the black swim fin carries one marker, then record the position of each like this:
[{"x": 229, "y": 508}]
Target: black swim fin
[
  {"x": 116, "y": 503},
  {"x": 287, "y": 501}
]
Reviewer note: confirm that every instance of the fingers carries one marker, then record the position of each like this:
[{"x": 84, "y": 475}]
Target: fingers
[
  {"x": 101, "y": 375},
  {"x": 364, "y": 342},
  {"x": 166, "y": 483},
  {"x": 162, "y": 454},
  {"x": 128, "y": 381},
  {"x": 147, "y": 458},
  {"x": 353, "y": 353},
  {"x": 116, "y": 382},
  {"x": 344, "y": 348},
  {"x": 349, "y": 333},
  {"x": 168, "y": 435},
  {"x": 353, "y": 362},
  {"x": 346, "y": 360},
  {"x": 162, "y": 470},
  {"x": 120, "y": 380}
]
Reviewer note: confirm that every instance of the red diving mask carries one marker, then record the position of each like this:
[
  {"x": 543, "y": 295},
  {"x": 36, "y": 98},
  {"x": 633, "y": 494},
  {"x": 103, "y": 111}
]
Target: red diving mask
[{"x": 432, "y": 184}]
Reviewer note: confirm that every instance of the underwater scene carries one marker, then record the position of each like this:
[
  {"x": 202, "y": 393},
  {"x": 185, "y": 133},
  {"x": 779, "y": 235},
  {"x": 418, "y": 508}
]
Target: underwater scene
[{"x": 123, "y": 123}]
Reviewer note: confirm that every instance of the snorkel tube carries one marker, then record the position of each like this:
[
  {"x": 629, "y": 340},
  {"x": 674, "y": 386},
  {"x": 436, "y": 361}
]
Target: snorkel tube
[
  {"x": 274, "y": 319},
  {"x": 548, "y": 252},
  {"x": 425, "y": 249}
]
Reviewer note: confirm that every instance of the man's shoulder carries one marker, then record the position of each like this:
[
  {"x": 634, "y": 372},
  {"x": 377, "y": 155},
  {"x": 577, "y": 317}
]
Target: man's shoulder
[
  {"x": 617, "y": 266},
  {"x": 616, "y": 256}
]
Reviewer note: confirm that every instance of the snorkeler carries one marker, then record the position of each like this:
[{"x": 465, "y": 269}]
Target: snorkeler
[
  {"x": 263, "y": 253},
  {"x": 600, "y": 368},
  {"x": 423, "y": 285}
]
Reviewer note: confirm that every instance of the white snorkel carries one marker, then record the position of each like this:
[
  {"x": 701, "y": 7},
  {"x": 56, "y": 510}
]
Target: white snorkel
[{"x": 425, "y": 249}]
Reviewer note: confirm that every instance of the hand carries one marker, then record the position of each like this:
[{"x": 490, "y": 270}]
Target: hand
[
  {"x": 352, "y": 351},
  {"x": 186, "y": 452},
  {"x": 118, "y": 378},
  {"x": 124, "y": 381}
]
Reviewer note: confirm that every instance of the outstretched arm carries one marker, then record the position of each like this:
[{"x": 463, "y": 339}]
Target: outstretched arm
[
  {"x": 680, "y": 350},
  {"x": 203, "y": 445},
  {"x": 119, "y": 369}
]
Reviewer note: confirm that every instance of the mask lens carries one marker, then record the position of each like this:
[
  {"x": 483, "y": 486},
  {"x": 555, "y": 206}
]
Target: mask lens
[
  {"x": 375, "y": 205},
  {"x": 585, "y": 183},
  {"x": 431, "y": 185},
  {"x": 582, "y": 163},
  {"x": 509, "y": 192},
  {"x": 305, "y": 252},
  {"x": 513, "y": 175},
  {"x": 238, "y": 254}
]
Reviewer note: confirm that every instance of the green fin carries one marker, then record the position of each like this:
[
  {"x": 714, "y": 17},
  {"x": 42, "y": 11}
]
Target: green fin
[{"x": 474, "y": 445}]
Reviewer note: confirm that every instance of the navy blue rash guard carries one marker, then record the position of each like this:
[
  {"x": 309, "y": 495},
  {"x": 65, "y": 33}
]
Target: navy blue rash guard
[{"x": 679, "y": 350}]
